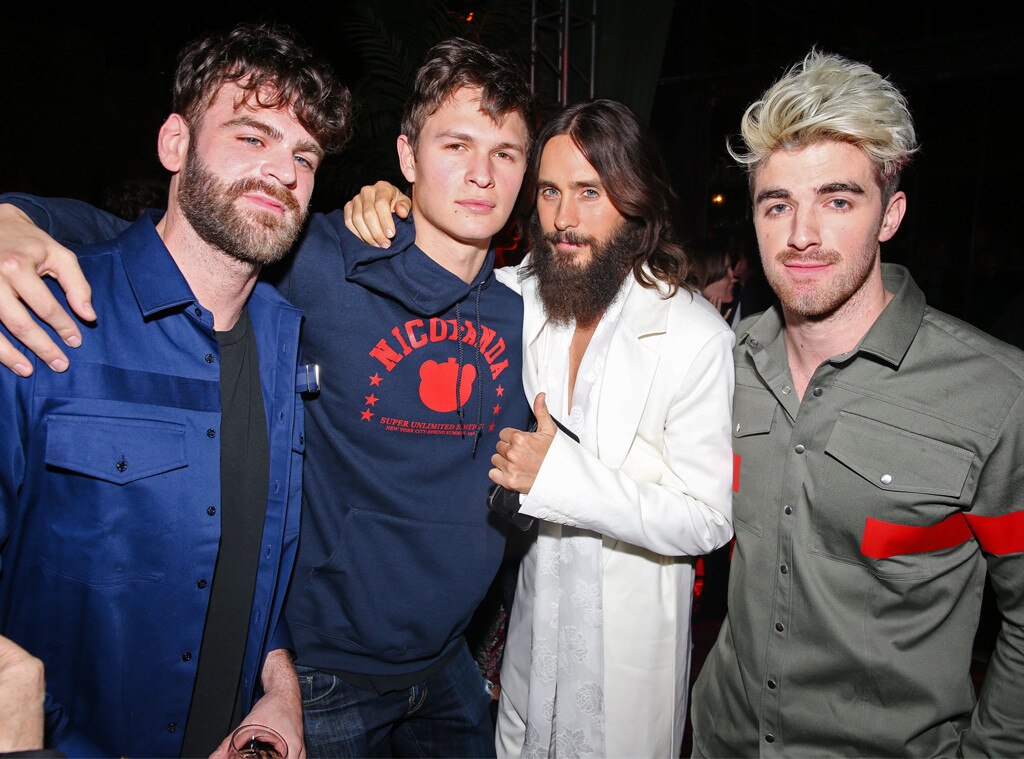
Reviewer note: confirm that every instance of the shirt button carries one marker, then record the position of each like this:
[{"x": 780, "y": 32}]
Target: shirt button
[
  {"x": 799, "y": 449},
  {"x": 769, "y": 738},
  {"x": 172, "y": 727},
  {"x": 784, "y": 569},
  {"x": 209, "y": 358},
  {"x": 211, "y": 433},
  {"x": 787, "y": 509},
  {"x": 779, "y": 626},
  {"x": 201, "y": 584},
  {"x": 816, "y": 392},
  {"x": 786, "y": 389},
  {"x": 187, "y": 656},
  {"x": 197, "y": 311},
  {"x": 121, "y": 465},
  {"x": 886, "y": 479},
  {"x": 738, "y": 428},
  {"x": 754, "y": 343},
  {"x": 211, "y": 510},
  {"x": 771, "y": 684}
]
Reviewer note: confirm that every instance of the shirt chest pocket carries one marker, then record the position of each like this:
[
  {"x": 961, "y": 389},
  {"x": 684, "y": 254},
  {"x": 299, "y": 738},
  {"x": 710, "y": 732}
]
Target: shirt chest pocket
[
  {"x": 117, "y": 451},
  {"x": 113, "y": 503},
  {"x": 753, "y": 416},
  {"x": 892, "y": 497}
]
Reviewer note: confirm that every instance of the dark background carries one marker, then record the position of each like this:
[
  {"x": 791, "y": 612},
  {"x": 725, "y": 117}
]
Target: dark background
[{"x": 85, "y": 92}]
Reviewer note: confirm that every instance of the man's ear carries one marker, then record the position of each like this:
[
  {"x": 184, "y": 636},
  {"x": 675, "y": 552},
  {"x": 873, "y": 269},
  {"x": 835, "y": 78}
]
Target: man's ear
[
  {"x": 407, "y": 158},
  {"x": 172, "y": 143},
  {"x": 892, "y": 217}
]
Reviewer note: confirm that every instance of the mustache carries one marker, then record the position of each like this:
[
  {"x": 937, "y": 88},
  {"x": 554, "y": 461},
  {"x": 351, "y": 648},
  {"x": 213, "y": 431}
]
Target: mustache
[
  {"x": 255, "y": 184},
  {"x": 569, "y": 236},
  {"x": 817, "y": 256}
]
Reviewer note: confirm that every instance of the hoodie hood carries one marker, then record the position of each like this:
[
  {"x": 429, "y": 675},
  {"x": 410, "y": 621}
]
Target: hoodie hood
[{"x": 407, "y": 274}]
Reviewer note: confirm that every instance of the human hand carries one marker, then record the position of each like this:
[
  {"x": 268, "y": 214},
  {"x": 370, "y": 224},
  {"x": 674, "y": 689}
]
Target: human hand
[
  {"x": 368, "y": 214},
  {"x": 520, "y": 454},
  {"x": 27, "y": 254},
  {"x": 22, "y": 693},
  {"x": 280, "y": 708}
]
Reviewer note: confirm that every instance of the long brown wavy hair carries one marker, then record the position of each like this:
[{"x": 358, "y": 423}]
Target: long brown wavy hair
[{"x": 625, "y": 155}]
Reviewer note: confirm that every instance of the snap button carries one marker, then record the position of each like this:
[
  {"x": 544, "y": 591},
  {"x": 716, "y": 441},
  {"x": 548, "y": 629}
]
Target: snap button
[{"x": 886, "y": 479}]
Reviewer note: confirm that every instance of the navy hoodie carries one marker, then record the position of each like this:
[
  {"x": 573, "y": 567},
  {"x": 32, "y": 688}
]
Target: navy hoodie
[{"x": 398, "y": 546}]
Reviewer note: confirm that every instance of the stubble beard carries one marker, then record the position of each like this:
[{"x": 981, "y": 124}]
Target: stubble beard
[
  {"x": 571, "y": 292},
  {"x": 821, "y": 300},
  {"x": 248, "y": 235}
]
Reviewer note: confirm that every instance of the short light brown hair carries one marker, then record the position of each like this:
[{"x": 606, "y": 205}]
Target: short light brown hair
[{"x": 457, "y": 63}]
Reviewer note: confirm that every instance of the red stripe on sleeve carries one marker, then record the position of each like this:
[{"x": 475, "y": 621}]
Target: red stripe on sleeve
[
  {"x": 999, "y": 535},
  {"x": 883, "y": 540},
  {"x": 736, "y": 473}
]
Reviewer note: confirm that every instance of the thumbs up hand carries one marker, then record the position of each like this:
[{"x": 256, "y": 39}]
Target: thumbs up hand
[{"x": 519, "y": 454}]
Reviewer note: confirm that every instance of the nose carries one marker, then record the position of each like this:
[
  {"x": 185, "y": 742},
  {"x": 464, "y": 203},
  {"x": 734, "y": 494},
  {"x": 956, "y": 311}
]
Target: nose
[
  {"x": 804, "y": 233},
  {"x": 566, "y": 216},
  {"x": 280, "y": 165},
  {"x": 480, "y": 172}
]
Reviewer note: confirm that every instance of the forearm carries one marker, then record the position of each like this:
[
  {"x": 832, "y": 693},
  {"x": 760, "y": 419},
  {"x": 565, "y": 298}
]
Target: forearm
[
  {"x": 575, "y": 488},
  {"x": 68, "y": 221}
]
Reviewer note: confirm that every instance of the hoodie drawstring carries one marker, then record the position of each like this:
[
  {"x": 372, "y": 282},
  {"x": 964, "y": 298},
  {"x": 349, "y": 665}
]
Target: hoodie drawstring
[{"x": 458, "y": 376}]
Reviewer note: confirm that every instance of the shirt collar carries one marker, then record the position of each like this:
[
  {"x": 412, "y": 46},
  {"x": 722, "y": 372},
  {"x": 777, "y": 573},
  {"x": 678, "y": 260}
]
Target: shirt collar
[
  {"x": 889, "y": 338},
  {"x": 895, "y": 328},
  {"x": 154, "y": 277}
]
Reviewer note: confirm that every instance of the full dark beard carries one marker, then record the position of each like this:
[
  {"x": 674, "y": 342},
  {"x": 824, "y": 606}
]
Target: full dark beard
[
  {"x": 248, "y": 235},
  {"x": 571, "y": 292}
]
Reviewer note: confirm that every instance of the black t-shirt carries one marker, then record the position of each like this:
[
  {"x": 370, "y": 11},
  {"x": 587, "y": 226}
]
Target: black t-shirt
[{"x": 244, "y": 475}]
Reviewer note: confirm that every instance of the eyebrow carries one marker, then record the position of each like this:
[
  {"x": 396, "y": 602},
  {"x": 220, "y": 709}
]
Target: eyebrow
[
  {"x": 465, "y": 137},
  {"x": 777, "y": 193},
  {"x": 572, "y": 185},
  {"x": 307, "y": 146}
]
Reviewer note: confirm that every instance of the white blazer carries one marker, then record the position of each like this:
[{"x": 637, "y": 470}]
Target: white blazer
[{"x": 659, "y": 488}]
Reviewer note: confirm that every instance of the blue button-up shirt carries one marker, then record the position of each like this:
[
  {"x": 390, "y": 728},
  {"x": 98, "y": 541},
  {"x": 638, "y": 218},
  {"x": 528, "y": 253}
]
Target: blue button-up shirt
[{"x": 110, "y": 491}]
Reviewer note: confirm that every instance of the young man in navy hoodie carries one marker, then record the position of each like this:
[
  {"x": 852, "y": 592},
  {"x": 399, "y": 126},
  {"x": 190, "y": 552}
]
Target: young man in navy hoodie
[{"x": 419, "y": 351}]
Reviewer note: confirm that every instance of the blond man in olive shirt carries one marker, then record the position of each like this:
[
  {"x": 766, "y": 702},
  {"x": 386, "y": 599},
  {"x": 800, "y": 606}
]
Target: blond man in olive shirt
[{"x": 879, "y": 453}]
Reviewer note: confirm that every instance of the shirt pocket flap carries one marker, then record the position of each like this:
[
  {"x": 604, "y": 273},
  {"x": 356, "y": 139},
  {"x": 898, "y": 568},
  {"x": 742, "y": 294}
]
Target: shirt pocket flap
[
  {"x": 116, "y": 450},
  {"x": 755, "y": 415},
  {"x": 898, "y": 460}
]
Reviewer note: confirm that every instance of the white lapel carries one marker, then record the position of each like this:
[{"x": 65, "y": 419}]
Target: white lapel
[
  {"x": 629, "y": 371},
  {"x": 533, "y": 325}
]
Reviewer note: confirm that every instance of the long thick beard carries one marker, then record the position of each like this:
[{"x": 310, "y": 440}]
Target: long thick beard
[
  {"x": 251, "y": 236},
  {"x": 571, "y": 292}
]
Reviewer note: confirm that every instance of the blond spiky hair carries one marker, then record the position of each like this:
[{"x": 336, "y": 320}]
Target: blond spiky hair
[{"x": 828, "y": 97}]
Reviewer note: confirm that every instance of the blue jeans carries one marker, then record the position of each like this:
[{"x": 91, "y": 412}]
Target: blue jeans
[{"x": 446, "y": 715}]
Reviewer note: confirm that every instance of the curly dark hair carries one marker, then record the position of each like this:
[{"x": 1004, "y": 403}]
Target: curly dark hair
[{"x": 271, "y": 64}]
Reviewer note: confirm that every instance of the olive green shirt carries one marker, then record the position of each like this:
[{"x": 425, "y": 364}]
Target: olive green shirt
[{"x": 866, "y": 517}]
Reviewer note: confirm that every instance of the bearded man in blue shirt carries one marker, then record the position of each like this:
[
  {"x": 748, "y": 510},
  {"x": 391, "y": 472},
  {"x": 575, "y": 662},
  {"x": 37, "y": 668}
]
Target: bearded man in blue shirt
[{"x": 149, "y": 496}]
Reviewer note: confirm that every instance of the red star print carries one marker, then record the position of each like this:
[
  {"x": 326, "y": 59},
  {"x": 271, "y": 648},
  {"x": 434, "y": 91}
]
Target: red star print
[
  {"x": 501, "y": 390},
  {"x": 367, "y": 415},
  {"x": 497, "y": 409},
  {"x": 371, "y": 399},
  {"x": 490, "y": 428},
  {"x": 375, "y": 380}
]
